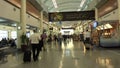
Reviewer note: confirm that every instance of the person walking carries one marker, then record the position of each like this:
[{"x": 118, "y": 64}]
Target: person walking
[
  {"x": 87, "y": 37},
  {"x": 44, "y": 37},
  {"x": 34, "y": 40},
  {"x": 87, "y": 40},
  {"x": 59, "y": 40}
]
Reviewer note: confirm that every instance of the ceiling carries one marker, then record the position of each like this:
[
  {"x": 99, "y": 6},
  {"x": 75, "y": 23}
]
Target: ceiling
[
  {"x": 59, "y": 6},
  {"x": 30, "y": 8},
  {"x": 65, "y": 5}
]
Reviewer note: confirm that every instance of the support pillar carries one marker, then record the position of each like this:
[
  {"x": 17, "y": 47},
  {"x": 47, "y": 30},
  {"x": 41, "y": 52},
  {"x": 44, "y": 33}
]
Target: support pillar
[
  {"x": 119, "y": 17},
  {"x": 49, "y": 26},
  {"x": 96, "y": 14},
  {"x": 22, "y": 23},
  {"x": 41, "y": 22}
]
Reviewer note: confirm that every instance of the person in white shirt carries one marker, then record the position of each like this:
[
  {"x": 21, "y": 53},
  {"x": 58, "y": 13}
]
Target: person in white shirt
[
  {"x": 34, "y": 40},
  {"x": 87, "y": 36},
  {"x": 59, "y": 39}
]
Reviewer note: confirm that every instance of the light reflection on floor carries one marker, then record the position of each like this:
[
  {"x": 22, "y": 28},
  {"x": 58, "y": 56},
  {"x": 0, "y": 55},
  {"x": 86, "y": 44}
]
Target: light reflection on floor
[{"x": 72, "y": 54}]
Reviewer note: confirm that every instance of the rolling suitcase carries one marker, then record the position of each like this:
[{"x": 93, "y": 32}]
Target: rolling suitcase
[
  {"x": 87, "y": 46},
  {"x": 27, "y": 56},
  {"x": 87, "y": 43}
]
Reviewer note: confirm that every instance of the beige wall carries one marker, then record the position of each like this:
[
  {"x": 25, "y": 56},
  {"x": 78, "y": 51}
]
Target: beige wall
[
  {"x": 7, "y": 11},
  {"x": 110, "y": 16},
  {"x": 32, "y": 21}
]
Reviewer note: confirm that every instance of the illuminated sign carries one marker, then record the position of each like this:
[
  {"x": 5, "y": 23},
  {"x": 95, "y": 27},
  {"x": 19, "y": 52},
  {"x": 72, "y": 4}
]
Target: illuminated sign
[{"x": 72, "y": 16}]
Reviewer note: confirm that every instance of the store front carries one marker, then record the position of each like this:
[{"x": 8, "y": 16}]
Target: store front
[{"x": 107, "y": 33}]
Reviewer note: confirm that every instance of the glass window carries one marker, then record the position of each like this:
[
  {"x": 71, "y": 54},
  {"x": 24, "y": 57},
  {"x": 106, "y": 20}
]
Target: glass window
[
  {"x": 3, "y": 34},
  {"x": 13, "y": 34}
]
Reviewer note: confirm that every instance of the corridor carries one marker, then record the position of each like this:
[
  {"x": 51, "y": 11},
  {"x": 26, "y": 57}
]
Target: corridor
[{"x": 72, "y": 54}]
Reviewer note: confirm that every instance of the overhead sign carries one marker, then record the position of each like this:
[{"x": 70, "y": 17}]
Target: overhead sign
[{"x": 72, "y": 16}]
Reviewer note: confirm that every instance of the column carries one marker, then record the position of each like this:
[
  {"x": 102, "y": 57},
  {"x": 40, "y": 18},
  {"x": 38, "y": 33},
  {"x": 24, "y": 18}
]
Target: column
[
  {"x": 41, "y": 22},
  {"x": 96, "y": 14},
  {"x": 22, "y": 23},
  {"x": 119, "y": 17},
  {"x": 119, "y": 10},
  {"x": 48, "y": 31}
]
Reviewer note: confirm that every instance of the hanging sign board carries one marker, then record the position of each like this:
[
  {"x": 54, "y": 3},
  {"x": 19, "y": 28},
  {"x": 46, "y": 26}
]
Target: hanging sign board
[{"x": 72, "y": 16}]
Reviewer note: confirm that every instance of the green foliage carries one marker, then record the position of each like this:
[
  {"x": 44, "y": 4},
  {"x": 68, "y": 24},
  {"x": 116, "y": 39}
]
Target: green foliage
[{"x": 24, "y": 39}]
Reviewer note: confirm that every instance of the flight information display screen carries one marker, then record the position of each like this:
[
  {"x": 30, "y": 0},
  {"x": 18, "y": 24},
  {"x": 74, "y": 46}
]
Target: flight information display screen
[{"x": 72, "y": 16}]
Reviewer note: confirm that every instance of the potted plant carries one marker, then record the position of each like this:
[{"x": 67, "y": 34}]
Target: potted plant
[{"x": 24, "y": 41}]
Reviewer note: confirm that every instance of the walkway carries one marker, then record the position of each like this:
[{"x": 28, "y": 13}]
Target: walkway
[{"x": 70, "y": 55}]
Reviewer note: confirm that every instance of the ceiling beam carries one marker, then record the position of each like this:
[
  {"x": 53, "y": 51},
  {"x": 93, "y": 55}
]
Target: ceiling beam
[
  {"x": 101, "y": 3},
  {"x": 36, "y": 5}
]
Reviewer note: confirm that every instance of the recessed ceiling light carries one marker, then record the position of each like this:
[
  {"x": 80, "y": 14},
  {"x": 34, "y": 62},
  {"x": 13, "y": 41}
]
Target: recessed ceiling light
[
  {"x": 50, "y": 22},
  {"x": 82, "y": 3},
  {"x": 57, "y": 11},
  {"x": 54, "y": 3},
  {"x": 78, "y": 9}
]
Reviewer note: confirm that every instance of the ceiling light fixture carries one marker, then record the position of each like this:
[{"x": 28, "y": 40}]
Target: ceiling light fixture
[
  {"x": 54, "y": 3},
  {"x": 82, "y": 3},
  {"x": 85, "y": 7},
  {"x": 58, "y": 11},
  {"x": 78, "y": 9}
]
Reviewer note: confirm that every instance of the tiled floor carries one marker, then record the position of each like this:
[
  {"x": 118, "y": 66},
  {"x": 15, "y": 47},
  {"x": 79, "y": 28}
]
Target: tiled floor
[{"x": 70, "y": 55}]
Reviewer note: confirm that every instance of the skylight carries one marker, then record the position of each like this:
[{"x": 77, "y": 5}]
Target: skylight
[
  {"x": 54, "y": 3},
  {"x": 82, "y": 3}
]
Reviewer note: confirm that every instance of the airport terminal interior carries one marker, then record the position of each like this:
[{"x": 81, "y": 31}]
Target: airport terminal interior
[{"x": 72, "y": 33}]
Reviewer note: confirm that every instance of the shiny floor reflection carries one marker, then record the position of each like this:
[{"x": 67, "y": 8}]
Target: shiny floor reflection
[{"x": 71, "y": 54}]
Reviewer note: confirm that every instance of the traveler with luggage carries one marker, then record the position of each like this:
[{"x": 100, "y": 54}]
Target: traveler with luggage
[
  {"x": 34, "y": 40},
  {"x": 87, "y": 39}
]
